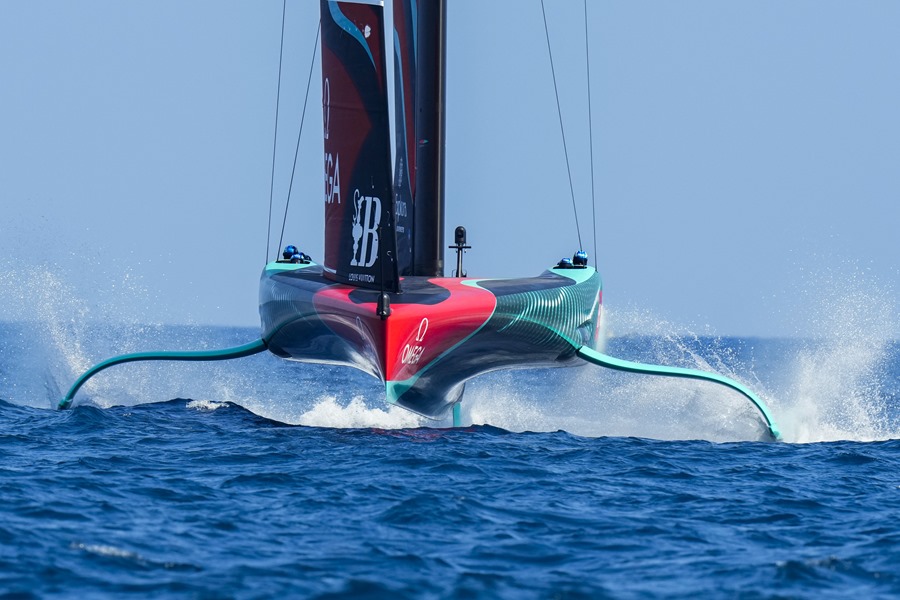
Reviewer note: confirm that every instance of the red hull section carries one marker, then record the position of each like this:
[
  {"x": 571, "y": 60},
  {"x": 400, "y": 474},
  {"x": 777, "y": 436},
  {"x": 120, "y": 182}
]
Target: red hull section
[{"x": 414, "y": 334}]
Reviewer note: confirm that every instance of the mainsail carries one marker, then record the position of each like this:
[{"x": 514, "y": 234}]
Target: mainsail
[
  {"x": 405, "y": 130},
  {"x": 360, "y": 247}
]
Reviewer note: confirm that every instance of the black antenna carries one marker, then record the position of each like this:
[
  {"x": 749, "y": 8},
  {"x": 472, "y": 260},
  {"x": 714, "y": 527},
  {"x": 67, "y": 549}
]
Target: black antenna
[{"x": 459, "y": 238}]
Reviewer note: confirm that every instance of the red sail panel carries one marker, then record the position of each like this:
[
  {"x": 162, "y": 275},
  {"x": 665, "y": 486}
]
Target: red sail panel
[
  {"x": 404, "y": 130},
  {"x": 360, "y": 243}
]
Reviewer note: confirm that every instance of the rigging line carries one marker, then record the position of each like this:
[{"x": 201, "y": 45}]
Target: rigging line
[
  {"x": 275, "y": 137},
  {"x": 561, "y": 128},
  {"x": 587, "y": 53},
  {"x": 287, "y": 204}
]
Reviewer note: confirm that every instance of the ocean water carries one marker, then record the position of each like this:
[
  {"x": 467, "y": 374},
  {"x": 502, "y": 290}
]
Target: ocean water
[{"x": 259, "y": 478}]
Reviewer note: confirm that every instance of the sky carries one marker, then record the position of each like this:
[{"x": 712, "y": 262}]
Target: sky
[{"x": 745, "y": 153}]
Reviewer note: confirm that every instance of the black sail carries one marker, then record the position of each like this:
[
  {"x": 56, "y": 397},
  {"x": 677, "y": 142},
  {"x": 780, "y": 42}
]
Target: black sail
[
  {"x": 360, "y": 243},
  {"x": 405, "y": 130}
]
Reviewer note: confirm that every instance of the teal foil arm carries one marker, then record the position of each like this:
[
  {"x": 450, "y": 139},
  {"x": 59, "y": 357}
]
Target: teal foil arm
[
  {"x": 199, "y": 355},
  {"x": 618, "y": 364}
]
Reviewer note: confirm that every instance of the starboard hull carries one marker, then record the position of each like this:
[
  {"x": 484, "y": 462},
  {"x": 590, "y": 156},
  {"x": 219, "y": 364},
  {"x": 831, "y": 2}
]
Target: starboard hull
[{"x": 441, "y": 331}]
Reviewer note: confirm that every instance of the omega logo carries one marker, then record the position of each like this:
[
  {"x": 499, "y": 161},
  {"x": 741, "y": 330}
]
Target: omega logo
[{"x": 412, "y": 354}]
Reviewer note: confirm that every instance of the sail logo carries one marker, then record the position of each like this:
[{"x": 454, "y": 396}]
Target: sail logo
[
  {"x": 366, "y": 221},
  {"x": 332, "y": 161},
  {"x": 332, "y": 178},
  {"x": 326, "y": 107}
]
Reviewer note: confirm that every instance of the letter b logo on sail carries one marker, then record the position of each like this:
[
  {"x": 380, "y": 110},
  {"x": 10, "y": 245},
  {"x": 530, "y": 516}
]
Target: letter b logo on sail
[{"x": 365, "y": 230}]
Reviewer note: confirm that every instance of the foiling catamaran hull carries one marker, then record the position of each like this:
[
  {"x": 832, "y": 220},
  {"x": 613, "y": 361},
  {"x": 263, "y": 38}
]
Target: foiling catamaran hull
[
  {"x": 441, "y": 332},
  {"x": 380, "y": 302}
]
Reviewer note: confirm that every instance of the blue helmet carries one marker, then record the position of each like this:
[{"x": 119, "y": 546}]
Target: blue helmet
[
  {"x": 565, "y": 263},
  {"x": 580, "y": 259},
  {"x": 289, "y": 251}
]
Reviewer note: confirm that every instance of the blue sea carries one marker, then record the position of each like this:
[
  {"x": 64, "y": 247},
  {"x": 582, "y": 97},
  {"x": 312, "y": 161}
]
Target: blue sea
[{"x": 260, "y": 478}]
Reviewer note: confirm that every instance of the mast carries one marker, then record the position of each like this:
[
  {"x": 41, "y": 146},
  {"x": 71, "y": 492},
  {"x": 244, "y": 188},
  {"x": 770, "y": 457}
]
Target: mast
[
  {"x": 405, "y": 131},
  {"x": 431, "y": 66}
]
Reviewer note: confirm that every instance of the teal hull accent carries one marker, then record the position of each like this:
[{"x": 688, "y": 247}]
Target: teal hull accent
[
  {"x": 618, "y": 364},
  {"x": 198, "y": 355}
]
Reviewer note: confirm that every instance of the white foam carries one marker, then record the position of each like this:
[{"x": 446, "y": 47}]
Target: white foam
[
  {"x": 841, "y": 375},
  {"x": 328, "y": 412},
  {"x": 107, "y": 550},
  {"x": 205, "y": 405},
  {"x": 595, "y": 402}
]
